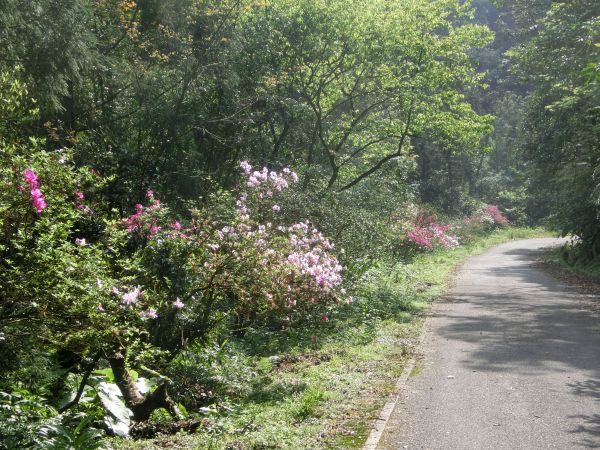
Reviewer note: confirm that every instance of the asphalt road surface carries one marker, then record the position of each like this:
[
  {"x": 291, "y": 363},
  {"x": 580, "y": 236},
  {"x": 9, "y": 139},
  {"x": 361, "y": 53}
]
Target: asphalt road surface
[{"x": 511, "y": 360}]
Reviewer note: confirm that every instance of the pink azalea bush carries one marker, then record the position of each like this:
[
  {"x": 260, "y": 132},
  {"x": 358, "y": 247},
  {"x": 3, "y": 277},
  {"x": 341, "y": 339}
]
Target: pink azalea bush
[
  {"x": 262, "y": 269},
  {"x": 494, "y": 212},
  {"x": 421, "y": 230},
  {"x": 432, "y": 236},
  {"x": 147, "y": 285},
  {"x": 489, "y": 216}
]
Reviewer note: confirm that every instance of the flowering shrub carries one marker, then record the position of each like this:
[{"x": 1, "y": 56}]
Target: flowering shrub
[
  {"x": 422, "y": 231},
  {"x": 434, "y": 235},
  {"x": 252, "y": 269},
  {"x": 496, "y": 215},
  {"x": 490, "y": 216},
  {"x": 99, "y": 286}
]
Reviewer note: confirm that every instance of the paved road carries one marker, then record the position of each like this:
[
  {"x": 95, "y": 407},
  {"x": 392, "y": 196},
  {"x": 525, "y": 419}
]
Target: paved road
[{"x": 510, "y": 361}]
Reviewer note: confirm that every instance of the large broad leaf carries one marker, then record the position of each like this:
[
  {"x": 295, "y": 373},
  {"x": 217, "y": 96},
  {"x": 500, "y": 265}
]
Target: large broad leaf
[
  {"x": 118, "y": 428},
  {"x": 145, "y": 385},
  {"x": 119, "y": 418}
]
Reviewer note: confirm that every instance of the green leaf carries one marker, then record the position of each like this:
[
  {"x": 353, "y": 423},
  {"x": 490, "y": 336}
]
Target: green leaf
[
  {"x": 119, "y": 418},
  {"x": 107, "y": 373}
]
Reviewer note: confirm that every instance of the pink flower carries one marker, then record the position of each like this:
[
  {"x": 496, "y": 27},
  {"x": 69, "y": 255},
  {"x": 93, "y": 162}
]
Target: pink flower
[
  {"x": 78, "y": 199},
  {"x": 32, "y": 179},
  {"x": 494, "y": 212},
  {"x": 80, "y": 242},
  {"x": 176, "y": 226},
  {"x": 150, "y": 194},
  {"x": 247, "y": 168},
  {"x": 178, "y": 303},
  {"x": 99, "y": 283},
  {"x": 152, "y": 313},
  {"x": 130, "y": 298},
  {"x": 38, "y": 201},
  {"x": 37, "y": 198},
  {"x": 276, "y": 208},
  {"x": 325, "y": 318},
  {"x": 101, "y": 307}
]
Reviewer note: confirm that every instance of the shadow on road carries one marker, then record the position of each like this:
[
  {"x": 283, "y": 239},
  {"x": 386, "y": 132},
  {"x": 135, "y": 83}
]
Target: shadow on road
[{"x": 527, "y": 325}]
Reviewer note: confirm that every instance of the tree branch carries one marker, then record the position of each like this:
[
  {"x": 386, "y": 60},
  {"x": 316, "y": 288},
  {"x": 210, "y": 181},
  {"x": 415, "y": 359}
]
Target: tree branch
[
  {"x": 79, "y": 393},
  {"x": 388, "y": 157}
]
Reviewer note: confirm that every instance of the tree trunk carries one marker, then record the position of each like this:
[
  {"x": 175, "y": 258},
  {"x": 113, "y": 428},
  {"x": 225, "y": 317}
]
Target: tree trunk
[{"x": 141, "y": 406}]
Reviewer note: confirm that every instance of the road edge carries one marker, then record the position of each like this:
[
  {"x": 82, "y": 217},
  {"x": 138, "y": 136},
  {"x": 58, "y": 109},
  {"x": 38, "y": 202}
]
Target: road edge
[{"x": 381, "y": 422}]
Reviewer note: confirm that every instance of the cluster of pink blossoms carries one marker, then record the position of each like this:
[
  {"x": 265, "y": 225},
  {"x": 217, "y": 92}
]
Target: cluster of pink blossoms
[
  {"x": 494, "y": 212},
  {"x": 37, "y": 198},
  {"x": 79, "y": 202},
  {"x": 310, "y": 257},
  {"x": 286, "y": 267},
  {"x": 490, "y": 215},
  {"x": 265, "y": 183},
  {"x": 130, "y": 298},
  {"x": 138, "y": 219},
  {"x": 432, "y": 235}
]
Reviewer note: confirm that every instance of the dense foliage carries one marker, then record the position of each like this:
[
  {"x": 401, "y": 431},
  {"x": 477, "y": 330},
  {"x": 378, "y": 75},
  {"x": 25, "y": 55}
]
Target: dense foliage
[{"x": 184, "y": 183}]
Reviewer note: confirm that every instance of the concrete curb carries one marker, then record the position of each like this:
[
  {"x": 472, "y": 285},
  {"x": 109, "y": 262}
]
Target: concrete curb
[{"x": 381, "y": 422}]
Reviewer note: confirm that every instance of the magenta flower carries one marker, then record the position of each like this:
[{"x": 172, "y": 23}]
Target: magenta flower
[
  {"x": 38, "y": 201},
  {"x": 494, "y": 212},
  {"x": 32, "y": 179},
  {"x": 37, "y": 198}
]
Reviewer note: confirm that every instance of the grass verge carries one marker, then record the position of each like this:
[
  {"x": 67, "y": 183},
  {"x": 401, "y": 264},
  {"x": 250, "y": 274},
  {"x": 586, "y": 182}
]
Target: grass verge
[
  {"x": 557, "y": 257},
  {"x": 324, "y": 389}
]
